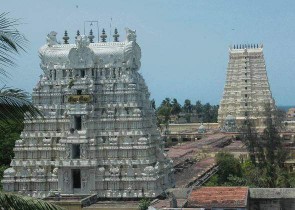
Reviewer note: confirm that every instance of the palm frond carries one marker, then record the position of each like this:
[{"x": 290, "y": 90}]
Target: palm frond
[
  {"x": 15, "y": 105},
  {"x": 11, "y": 201},
  {"x": 11, "y": 42}
]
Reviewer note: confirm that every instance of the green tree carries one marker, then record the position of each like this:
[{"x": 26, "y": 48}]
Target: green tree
[
  {"x": 199, "y": 107},
  {"x": 176, "y": 107},
  {"x": 251, "y": 139},
  {"x": 254, "y": 175},
  {"x": 228, "y": 166},
  {"x": 164, "y": 115},
  {"x": 274, "y": 153},
  {"x": 8, "y": 134},
  {"x": 144, "y": 204},
  {"x": 187, "y": 109},
  {"x": 187, "y": 106},
  {"x": 13, "y": 201},
  {"x": 267, "y": 154},
  {"x": 14, "y": 105},
  {"x": 13, "y": 102},
  {"x": 206, "y": 112},
  {"x": 214, "y": 113},
  {"x": 166, "y": 102},
  {"x": 213, "y": 181}
]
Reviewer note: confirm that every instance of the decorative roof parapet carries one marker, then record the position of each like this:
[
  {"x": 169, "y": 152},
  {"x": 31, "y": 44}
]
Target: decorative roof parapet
[
  {"x": 100, "y": 54},
  {"x": 246, "y": 46}
]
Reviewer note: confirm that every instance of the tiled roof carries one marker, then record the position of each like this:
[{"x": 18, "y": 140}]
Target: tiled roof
[{"x": 208, "y": 197}]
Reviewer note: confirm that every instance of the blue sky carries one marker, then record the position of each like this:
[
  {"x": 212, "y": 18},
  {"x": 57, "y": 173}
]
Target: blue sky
[{"x": 184, "y": 43}]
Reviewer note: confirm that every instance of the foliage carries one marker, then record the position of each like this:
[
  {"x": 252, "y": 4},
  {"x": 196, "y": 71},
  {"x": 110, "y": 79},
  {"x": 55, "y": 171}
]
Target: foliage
[
  {"x": 144, "y": 204},
  {"x": 274, "y": 152},
  {"x": 210, "y": 113},
  {"x": 13, "y": 102},
  {"x": 199, "y": 107},
  {"x": 11, "y": 42},
  {"x": 213, "y": 181},
  {"x": 228, "y": 166},
  {"x": 254, "y": 176},
  {"x": 175, "y": 107},
  {"x": 8, "y": 134},
  {"x": 15, "y": 105},
  {"x": 187, "y": 106},
  {"x": 250, "y": 175},
  {"x": 250, "y": 139},
  {"x": 265, "y": 166},
  {"x": 266, "y": 151},
  {"x": 172, "y": 109},
  {"x": 164, "y": 115},
  {"x": 292, "y": 179},
  {"x": 14, "y": 201},
  {"x": 167, "y": 109}
]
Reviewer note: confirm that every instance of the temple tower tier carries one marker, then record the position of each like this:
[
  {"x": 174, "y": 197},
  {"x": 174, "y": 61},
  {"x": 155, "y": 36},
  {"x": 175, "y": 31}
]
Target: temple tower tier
[
  {"x": 98, "y": 133},
  {"x": 247, "y": 90}
]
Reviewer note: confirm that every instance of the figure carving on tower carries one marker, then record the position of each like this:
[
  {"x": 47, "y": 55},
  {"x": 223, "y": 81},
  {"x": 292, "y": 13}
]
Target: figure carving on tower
[
  {"x": 130, "y": 34},
  {"x": 66, "y": 178},
  {"x": 68, "y": 152},
  {"x": 83, "y": 151},
  {"x": 84, "y": 179},
  {"x": 51, "y": 39},
  {"x": 82, "y": 41}
]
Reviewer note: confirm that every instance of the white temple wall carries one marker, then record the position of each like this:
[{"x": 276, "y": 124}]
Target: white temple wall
[{"x": 117, "y": 135}]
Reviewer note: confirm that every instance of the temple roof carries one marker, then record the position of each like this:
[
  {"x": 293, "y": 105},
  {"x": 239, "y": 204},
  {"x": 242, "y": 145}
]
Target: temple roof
[
  {"x": 208, "y": 197},
  {"x": 84, "y": 54}
]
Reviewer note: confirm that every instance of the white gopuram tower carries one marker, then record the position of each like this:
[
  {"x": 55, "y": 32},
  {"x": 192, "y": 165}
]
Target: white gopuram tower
[
  {"x": 247, "y": 90},
  {"x": 99, "y": 133}
]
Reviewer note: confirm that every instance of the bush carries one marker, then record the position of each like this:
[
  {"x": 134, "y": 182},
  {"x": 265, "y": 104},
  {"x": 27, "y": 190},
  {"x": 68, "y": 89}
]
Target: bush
[{"x": 144, "y": 204}]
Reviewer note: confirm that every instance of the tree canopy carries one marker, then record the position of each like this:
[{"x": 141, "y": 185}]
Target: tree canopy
[
  {"x": 15, "y": 104},
  {"x": 267, "y": 155},
  {"x": 172, "y": 110}
]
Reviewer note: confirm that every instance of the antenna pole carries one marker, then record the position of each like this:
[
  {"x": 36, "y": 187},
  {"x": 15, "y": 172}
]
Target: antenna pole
[
  {"x": 110, "y": 29},
  {"x": 84, "y": 27},
  {"x": 97, "y": 32}
]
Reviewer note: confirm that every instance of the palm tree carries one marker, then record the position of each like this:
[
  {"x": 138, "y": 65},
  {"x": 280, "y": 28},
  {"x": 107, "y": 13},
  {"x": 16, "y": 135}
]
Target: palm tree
[
  {"x": 14, "y": 103},
  {"x": 18, "y": 202},
  {"x": 14, "y": 106},
  {"x": 11, "y": 42}
]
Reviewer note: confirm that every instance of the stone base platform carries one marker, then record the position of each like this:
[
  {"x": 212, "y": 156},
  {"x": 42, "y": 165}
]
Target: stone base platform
[
  {"x": 91, "y": 202},
  {"x": 113, "y": 205},
  {"x": 72, "y": 202}
]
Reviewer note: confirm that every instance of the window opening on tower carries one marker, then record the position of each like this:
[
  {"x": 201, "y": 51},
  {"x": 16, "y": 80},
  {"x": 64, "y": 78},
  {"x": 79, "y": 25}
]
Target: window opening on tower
[
  {"x": 76, "y": 151},
  {"x": 78, "y": 123}
]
